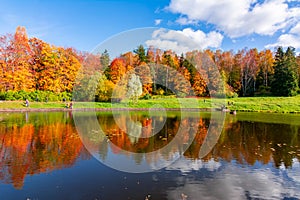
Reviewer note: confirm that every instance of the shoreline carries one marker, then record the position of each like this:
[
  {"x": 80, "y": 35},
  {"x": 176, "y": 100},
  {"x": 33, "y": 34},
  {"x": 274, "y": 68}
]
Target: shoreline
[
  {"x": 103, "y": 109},
  {"x": 240, "y": 105},
  {"x": 22, "y": 110}
]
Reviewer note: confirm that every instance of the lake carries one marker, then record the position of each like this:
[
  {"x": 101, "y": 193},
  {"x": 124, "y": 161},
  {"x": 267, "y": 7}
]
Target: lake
[{"x": 170, "y": 155}]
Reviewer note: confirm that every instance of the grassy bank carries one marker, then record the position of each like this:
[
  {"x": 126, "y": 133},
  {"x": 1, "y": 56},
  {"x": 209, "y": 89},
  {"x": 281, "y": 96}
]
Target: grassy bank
[
  {"x": 246, "y": 104},
  {"x": 266, "y": 104}
]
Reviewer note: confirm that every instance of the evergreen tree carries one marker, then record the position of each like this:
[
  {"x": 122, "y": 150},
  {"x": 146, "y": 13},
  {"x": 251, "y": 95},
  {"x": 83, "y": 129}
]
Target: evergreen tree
[
  {"x": 141, "y": 53},
  {"x": 105, "y": 59},
  {"x": 285, "y": 81}
]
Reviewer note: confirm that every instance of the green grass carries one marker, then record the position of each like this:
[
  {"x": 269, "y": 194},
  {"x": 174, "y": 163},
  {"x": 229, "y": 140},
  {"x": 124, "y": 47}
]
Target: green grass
[
  {"x": 247, "y": 104},
  {"x": 266, "y": 104},
  {"x": 36, "y": 105}
]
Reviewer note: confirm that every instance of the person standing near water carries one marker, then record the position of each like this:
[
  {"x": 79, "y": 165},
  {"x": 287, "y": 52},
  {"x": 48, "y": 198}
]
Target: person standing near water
[{"x": 26, "y": 103}]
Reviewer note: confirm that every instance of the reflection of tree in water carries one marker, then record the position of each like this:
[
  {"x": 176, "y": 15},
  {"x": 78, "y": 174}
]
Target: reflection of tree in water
[
  {"x": 134, "y": 130},
  {"x": 249, "y": 142},
  {"x": 194, "y": 149},
  {"x": 243, "y": 141},
  {"x": 137, "y": 134},
  {"x": 37, "y": 146},
  {"x": 142, "y": 136}
]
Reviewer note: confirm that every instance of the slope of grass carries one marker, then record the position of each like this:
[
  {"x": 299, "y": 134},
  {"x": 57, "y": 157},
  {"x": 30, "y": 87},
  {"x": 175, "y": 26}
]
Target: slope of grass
[{"x": 266, "y": 104}]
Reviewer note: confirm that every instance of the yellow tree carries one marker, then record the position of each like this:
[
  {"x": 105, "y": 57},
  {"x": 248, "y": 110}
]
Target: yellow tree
[
  {"x": 266, "y": 69},
  {"x": 54, "y": 68},
  {"x": 68, "y": 68},
  {"x": 199, "y": 85},
  {"x": 104, "y": 89},
  {"x": 4, "y": 58},
  {"x": 170, "y": 59},
  {"x": 47, "y": 68},
  {"x": 144, "y": 72}
]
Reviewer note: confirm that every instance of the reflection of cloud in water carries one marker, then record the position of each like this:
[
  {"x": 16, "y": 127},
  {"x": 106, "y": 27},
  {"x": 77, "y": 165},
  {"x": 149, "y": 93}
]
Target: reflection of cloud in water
[
  {"x": 295, "y": 173},
  {"x": 234, "y": 182},
  {"x": 187, "y": 165}
]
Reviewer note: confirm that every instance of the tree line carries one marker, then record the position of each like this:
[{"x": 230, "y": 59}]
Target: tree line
[{"x": 30, "y": 66}]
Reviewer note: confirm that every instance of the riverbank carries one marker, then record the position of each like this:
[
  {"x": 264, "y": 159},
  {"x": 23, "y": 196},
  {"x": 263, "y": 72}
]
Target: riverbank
[{"x": 242, "y": 104}]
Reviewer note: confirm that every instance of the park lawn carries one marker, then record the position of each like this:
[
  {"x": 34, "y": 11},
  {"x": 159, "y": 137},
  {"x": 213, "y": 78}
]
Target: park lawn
[
  {"x": 266, "y": 104},
  {"x": 246, "y": 104}
]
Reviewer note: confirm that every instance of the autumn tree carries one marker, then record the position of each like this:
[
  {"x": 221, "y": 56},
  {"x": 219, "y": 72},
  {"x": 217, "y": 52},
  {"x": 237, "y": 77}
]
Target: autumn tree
[
  {"x": 234, "y": 76},
  {"x": 56, "y": 69},
  {"x": 224, "y": 61},
  {"x": 266, "y": 71},
  {"x": 69, "y": 66},
  {"x": 169, "y": 59},
  {"x": 151, "y": 54},
  {"x": 117, "y": 69},
  {"x": 196, "y": 74},
  {"x": 104, "y": 89},
  {"x": 91, "y": 63},
  {"x": 182, "y": 85},
  {"x": 17, "y": 74},
  {"x": 4, "y": 59},
  {"x": 249, "y": 69},
  {"x": 144, "y": 72},
  {"x": 130, "y": 60},
  {"x": 208, "y": 74},
  {"x": 185, "y": 64}
]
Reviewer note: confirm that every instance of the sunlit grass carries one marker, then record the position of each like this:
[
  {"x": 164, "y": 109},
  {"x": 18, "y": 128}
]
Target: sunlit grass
[
  {"x": 266, "y": 104},
  {"x": 247, "y": 104}
]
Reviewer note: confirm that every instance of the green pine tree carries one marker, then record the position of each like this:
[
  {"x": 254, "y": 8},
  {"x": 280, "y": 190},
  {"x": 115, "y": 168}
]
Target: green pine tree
[
  {"x": 141, "y": 53},
  {"x": 105, "y": 59},
  {"x": 285, "y": 81}
]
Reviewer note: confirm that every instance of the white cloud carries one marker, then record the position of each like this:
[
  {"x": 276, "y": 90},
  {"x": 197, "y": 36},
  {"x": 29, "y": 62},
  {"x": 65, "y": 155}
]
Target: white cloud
[
  {"x": 186, "y": 165},
  {"x": 158, "y": 21},
  {"x": 290, "y": 39},
  {"x": 237, "y": 18},
  {"x": 286, "y": 40},
  {"x": 185, "y": 21},
  {"x": 296, "y": 29},
  {"x": 185, "y": 40}
]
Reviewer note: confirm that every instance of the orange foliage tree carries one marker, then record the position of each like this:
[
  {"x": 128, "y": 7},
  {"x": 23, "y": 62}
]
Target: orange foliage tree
[
  {"x": 16, "y": 53},
  {"x": 32, "y": 64}
]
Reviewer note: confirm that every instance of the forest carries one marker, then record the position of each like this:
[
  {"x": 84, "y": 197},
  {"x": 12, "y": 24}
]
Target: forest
[{"x": 33, "y": 69}]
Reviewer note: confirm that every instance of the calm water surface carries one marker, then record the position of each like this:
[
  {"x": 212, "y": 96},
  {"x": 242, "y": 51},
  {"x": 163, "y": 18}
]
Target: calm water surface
[{"x": 43, "y": 156}]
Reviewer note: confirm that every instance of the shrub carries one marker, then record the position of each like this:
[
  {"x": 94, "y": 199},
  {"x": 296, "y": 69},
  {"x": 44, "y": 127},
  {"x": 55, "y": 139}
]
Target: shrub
[
  {"x": 2, "y": 95},
  {"x": 9, "y": 96},
  {"x": 40, "y": 96},
  {"x": 146, "y": 96}
]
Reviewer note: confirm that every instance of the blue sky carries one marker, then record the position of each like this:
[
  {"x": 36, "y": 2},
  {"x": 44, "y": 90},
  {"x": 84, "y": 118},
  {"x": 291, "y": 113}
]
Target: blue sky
[{"x": 221, "y": 24}]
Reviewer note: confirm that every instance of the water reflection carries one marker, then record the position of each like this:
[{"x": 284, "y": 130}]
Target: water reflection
[
  {"x": 257, "y": 157},
  {"x": 221, "y": 181},
  {"x": 246, "y": 142},
  {"x": 36, "y": 143}
]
